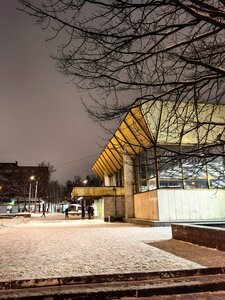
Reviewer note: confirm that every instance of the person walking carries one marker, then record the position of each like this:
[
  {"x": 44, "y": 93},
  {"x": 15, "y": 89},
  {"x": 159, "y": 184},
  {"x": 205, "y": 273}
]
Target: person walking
[
  {"x": 67, "y": 213},
  {"x": 90, "y": 211},
  {"x": 43, "y": 211},
  {"x": 83, "y": 212}
]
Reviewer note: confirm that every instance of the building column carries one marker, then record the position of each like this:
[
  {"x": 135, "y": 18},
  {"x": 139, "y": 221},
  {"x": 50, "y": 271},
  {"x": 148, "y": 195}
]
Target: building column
[
  {"x": 128, "y": 186},
  {"x": 106, "y": 179}
]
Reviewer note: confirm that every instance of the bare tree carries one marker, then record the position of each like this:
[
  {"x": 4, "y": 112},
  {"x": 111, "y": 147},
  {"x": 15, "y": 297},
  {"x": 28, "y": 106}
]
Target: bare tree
[
  {"x": 161, "y": 50},
  {"x": 51, "y": 168},
  {"x": 93, "y": 180}
]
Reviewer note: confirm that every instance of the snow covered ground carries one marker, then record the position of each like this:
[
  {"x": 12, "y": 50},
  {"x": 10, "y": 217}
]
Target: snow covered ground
[{"x": 54, "y": 247}]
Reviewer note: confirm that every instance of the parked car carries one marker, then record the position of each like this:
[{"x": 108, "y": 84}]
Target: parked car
[{"x": 75, "y": 209}]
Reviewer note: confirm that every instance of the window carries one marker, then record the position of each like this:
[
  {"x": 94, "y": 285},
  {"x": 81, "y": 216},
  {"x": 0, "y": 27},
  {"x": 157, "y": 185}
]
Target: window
[
  {"x": 173, "y": 172},
  {"x": 216, "y": 172},
  {"x": 151, "y": 169},
  {"x": 169, "y": 169},
  {"x": 194, "y": 173},
  {"x": 119, "y": 177},
  {"x": 144, "y": 171}
]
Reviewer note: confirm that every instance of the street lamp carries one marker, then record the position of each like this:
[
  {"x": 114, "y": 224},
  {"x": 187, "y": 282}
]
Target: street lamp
[
  {"x": 115, "y": 208},
  {"x": 30, "y": 190},
  {"x": 83, "y": 202},
  {"x": 35, "y": 195},
  {"x": 29, "y": 196}
]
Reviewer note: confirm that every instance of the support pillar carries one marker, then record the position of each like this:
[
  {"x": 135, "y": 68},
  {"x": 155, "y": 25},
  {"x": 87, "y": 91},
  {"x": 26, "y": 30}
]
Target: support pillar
[
  {"x": 128, "y": 186},
  {"x": 106, "y": 179}
]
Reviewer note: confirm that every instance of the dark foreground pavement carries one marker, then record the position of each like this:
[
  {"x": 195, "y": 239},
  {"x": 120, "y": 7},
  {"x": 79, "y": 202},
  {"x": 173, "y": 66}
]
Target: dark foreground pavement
[{"x": 187, "y": 284}]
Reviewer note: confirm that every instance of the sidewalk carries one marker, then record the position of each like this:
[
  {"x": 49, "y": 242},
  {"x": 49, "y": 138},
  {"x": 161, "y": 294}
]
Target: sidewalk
[{"x": 54, "y": 247}]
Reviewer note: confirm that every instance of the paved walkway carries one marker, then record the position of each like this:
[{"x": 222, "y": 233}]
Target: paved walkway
[{"x": 54, "y": 247}]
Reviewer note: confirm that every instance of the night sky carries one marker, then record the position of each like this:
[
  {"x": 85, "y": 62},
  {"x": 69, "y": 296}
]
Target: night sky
[{"x": 41, "y": 115}]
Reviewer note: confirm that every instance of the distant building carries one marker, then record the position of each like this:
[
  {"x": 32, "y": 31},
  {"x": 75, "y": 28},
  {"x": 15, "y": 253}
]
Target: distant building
[{"x": 20, "y": 185}]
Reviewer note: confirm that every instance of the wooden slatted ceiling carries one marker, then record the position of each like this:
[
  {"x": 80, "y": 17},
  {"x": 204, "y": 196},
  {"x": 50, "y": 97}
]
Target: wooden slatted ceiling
[
  {"x": 97, "y": 171},
  {"x": 132, "y": 136}
]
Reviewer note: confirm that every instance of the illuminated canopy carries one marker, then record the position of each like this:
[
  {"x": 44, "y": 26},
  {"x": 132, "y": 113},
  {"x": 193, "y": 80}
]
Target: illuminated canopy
[
  {"x": 184, "y": 123},
  {"x": 165, "y": 123},
  {"x": 132, "y": 136}
]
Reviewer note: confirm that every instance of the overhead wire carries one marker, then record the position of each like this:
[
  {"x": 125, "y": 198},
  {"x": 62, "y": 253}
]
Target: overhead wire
[{"x": 75, "y": 161}]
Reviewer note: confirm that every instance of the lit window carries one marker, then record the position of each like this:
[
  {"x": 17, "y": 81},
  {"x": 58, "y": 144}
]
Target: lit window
[
  {"x": 169, "y": 169},
  {"x": 216, "y": 172},
  {"x": 194, "y": 173}
]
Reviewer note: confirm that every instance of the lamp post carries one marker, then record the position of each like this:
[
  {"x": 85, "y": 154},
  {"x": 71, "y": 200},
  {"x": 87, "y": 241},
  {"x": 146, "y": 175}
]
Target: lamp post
[
  {"x": 30, "y": 190},
  {"x": 83, "y": 202},
  {"x": 1, "y": 189},
  {"x": 115, "y": 208},
  {"x": 35, "y": 195}
]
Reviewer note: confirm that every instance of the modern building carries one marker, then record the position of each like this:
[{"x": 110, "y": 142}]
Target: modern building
[
  {"x": 22, "y": 186},
  {"x": 169, "y": 158}
]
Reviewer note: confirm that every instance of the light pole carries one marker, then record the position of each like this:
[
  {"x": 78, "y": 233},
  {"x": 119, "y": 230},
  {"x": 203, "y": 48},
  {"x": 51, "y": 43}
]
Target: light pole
[
  {"x": 115, "y": 208},
  {"x": 30, "y": 190},
  {"x": 83, "y": 202},
  {"x": 35, "y": 195},
  {"x": 1, "y": 188}
]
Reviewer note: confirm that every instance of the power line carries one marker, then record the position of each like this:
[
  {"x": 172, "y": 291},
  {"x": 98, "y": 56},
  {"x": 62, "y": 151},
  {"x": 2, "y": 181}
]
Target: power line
[{"x": 75, "y": 161}]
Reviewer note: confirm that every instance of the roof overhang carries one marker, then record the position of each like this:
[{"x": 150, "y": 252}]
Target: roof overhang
[
  {"x": 163, "y": 123},
  {"x": 184, "y": 123},
  {"x": 132, "y": 136}
]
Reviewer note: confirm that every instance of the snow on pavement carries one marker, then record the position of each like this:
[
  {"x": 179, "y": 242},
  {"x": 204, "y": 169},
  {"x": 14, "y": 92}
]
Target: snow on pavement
[{"x": 49, "y": 249}]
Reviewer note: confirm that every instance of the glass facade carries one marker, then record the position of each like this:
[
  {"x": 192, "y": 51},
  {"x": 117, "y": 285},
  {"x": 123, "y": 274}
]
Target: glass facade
[
  {"x": 166, "y": 168},
  {"x": 169, "y": 170},
  {"x": 119, "y": 177},
  {"x": 194, "y": 173},
  {"x": 216, "y": 172}
]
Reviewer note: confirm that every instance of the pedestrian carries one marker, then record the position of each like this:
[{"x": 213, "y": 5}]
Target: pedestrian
[
  {"x": 90, "y": 211},
  {"x": 83, "y": 212},
  {"x": 43, "y": 211},
  {"x": 67, "y": 213}
]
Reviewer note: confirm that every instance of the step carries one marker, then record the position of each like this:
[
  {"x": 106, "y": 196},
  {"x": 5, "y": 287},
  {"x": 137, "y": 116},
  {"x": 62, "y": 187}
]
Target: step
[{"x": 120, "y": 285}]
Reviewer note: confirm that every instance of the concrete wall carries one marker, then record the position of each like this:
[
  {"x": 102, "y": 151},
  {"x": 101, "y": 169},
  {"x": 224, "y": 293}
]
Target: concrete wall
[
  {"x": 117, "y": 210},
  {"x": 178, "y": 205},
  {"x": 128, "y": 186},
  {"x": 99, "y": 209},
  {"x": 175, "y": 205},
  {"x": 97, "y": 191},
  {"x": 201, "y": 235},
  {"x": 106, "y": 179},
  {"x": 15, "y": 209},
  {"x": 3, "y": 209},
  {"x": 146, "y": 206}
]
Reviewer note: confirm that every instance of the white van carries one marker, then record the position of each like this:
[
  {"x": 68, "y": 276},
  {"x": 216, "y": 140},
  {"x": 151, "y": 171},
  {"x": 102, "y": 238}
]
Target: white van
[{"x": 75, "y": 209}]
